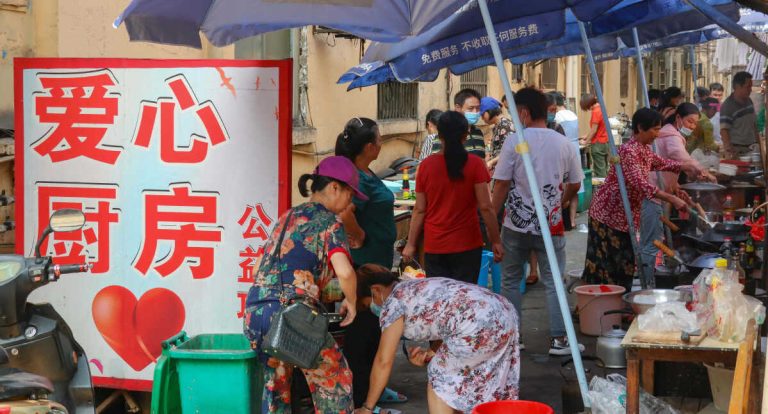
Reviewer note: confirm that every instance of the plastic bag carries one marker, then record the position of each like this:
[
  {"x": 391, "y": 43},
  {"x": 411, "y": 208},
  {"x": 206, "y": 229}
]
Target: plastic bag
[
  {"x": 721, "y": 309},
  {"x": 668, "y": 317},
  {"x": 707, "y": 159},
  {"x": 609, "y": 396}
]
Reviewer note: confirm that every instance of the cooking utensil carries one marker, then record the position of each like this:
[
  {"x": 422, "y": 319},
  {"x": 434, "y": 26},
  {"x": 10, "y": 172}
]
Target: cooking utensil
[
  {"x": 731, "y": 227},
  {"x": 668, "y": 252},
  {"x": 702, "y": 186},
  {"x": 642, "y": 300},
  {"x": 672, "y": 226}
]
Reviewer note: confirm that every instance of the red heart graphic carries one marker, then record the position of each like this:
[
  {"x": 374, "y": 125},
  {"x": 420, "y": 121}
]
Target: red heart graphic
[{"x": 135, "y": 329}]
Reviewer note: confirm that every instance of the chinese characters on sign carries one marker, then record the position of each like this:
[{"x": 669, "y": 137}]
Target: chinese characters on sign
[
  {"x": 80, "y": 108},
  {"x": 91, "y": 244},
  {"x": 185, "y": 99},
  {"x": 168, "y": 217},
  {"x": 180, "y": 168},
  {"x": 502, "y": 37},
  {"x": 255, "y": 224}
]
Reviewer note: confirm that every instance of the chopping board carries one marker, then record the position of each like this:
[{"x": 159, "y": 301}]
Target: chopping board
[{"x": 666, "y": 338}]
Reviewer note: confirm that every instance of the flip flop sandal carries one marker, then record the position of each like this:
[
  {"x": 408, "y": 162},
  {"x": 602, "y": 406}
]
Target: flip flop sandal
[
  {"x": 390, "y": 396},
  {"x": 379, "y": 410}
]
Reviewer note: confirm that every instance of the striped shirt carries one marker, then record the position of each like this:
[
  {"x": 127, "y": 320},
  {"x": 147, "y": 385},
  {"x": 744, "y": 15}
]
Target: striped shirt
[{"x": 740, "y": 119}]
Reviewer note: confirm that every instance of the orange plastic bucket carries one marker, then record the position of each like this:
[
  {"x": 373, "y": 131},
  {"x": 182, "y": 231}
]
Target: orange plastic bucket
[{"x": 513, "y": 407}]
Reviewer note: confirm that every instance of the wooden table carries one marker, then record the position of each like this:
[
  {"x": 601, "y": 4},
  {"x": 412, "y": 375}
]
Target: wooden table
[{"x": 641, "y": 358}]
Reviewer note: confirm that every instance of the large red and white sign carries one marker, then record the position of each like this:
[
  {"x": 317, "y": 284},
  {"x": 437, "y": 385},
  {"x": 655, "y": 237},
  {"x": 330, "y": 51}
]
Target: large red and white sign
[{"x": 181, "y": 168}]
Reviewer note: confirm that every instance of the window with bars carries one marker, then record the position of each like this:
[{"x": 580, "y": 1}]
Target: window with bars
[
  {"x": 476, "y": 79},
  {"x": 517, "y": 72},
  {"x": 674, "y": 79},
  {"x": 397, "y": 100},
  {"x": 586, "y": 79},
  {"x": 549, "y": 74},
  {"x": 624, "y": 78}
]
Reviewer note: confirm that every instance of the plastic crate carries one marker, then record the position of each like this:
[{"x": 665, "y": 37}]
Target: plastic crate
[{"x": 209, "y": 373}]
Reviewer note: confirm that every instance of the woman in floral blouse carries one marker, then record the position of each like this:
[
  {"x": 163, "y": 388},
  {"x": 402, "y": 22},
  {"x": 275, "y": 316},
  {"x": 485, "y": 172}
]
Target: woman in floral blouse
[
  {"x": 490, "y": 110},
  {"x": 313, "y": 250},
  {"x": 610, "y": 257},
  {"x": 478, "y": 359}
]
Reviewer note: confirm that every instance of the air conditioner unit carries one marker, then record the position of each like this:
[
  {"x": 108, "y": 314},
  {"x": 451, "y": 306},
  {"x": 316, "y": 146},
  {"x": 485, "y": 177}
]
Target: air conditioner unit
[{"x": 331, "y": 31}]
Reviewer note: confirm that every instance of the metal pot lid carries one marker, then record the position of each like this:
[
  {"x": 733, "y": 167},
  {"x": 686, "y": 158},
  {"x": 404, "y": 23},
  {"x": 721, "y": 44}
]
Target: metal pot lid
[
  {"x": 616, "y": 332},
  {"x": 702, "y": 187}
]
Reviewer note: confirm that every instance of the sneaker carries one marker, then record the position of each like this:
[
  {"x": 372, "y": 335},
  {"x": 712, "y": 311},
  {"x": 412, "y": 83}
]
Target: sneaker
[{"x": 559, "y": 346}]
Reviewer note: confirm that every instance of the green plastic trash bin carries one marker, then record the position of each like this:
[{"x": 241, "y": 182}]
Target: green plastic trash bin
[
  {"x": 209, "y": 373},
  {"x": 585, "y": 198}
]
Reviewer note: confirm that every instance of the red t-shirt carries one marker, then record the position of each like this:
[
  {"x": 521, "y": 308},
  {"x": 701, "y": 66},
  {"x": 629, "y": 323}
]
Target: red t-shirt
[
  {"x": 451, "y": 223},
  {"x": 601, "y": 137}
]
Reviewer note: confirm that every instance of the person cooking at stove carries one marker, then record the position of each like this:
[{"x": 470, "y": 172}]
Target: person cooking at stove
[{"x": 610, "y": 258}]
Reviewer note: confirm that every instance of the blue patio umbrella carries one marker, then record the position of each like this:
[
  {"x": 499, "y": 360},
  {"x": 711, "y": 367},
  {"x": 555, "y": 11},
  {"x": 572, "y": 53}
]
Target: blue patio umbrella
[
  {"x": 752, "y": 21},
  {"x": 226, "y": 21},
  {"x": 657, "y": 18}
]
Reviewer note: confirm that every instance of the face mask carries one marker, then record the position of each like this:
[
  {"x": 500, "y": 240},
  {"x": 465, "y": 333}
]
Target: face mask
[
  {"x": 376, "y": 309},
  {"x": 472, "y": 117},
  {"x": 550, "y": 117},
  {"x": 686, "y": 132}
]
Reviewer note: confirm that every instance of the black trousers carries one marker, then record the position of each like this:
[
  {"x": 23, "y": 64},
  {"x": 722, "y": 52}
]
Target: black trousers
[
  {"x": 462, "y": 266},
  {"x": 361, "y": 342}
]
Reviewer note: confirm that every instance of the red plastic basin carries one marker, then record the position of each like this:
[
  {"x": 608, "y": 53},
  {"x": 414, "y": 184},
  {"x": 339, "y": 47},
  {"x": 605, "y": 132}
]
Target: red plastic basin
[{"x": 513, "y": 407}]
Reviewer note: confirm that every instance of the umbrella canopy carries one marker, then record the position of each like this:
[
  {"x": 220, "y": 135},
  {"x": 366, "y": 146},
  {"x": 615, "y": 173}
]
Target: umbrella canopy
[
  {"x": 226, "y": 21},
  {"x": 656, "y": 18},
  {"x": 752, "y": 21}
]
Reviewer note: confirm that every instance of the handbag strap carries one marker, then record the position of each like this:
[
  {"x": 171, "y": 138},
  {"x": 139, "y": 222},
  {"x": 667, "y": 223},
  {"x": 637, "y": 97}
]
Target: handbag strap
[{"x": 277, "y": 252}]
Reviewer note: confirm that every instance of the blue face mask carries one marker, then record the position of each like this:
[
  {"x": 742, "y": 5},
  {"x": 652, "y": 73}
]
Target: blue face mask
[
  {"x": 472, "y": 117},
  {"x": 550, "y": 117},
  {"x": 375, "y": 309}
]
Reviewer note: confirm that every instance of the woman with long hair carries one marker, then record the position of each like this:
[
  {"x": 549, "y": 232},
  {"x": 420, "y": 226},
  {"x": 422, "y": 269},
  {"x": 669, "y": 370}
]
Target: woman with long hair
[
  {"x": 370, "y": 225},
  {"x": 451, "y": 187}
]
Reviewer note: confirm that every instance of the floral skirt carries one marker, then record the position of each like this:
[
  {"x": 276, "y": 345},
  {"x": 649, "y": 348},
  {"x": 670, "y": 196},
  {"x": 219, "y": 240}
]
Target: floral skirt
[
  {"x": 610, "y": 259},
  {"x": 330, "y": 383}
]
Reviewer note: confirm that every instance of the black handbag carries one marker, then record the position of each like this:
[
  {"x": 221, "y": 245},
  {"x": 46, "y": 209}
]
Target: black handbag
[{"x": 299, "y": 330}]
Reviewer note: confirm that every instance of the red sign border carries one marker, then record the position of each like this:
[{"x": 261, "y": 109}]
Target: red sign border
[{"x": 285, "y": 130}]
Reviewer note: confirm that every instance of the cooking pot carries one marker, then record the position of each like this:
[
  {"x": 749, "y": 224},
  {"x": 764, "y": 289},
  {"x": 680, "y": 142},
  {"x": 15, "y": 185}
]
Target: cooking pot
[{"x": 609, "y": 348}]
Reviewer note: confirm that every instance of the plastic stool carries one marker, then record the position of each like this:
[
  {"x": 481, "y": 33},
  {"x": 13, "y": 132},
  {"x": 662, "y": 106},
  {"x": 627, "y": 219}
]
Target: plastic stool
[{"x": 488, "y": 266}]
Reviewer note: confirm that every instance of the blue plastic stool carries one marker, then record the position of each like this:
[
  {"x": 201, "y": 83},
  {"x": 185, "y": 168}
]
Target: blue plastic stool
[{"x": 488, "y": 266}]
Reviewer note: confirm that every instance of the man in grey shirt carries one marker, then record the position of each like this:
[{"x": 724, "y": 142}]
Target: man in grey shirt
[{"x": 738, "y": 121}]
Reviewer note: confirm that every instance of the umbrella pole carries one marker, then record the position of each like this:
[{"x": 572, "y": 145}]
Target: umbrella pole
[
  {"x": 522, "y": 148},
  {"x": 647, "y": 284},
  {"x": 694, "y": 75},
  {"x": 641, "y": 68},
  {"x": 647, "y": 101}
]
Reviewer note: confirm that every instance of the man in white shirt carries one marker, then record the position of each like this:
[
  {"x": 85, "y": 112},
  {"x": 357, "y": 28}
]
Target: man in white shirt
[
  {"x": 717, "y": 91},
  {"x": 570, "y": 123},
  {"x": 558, "y": 171}
]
